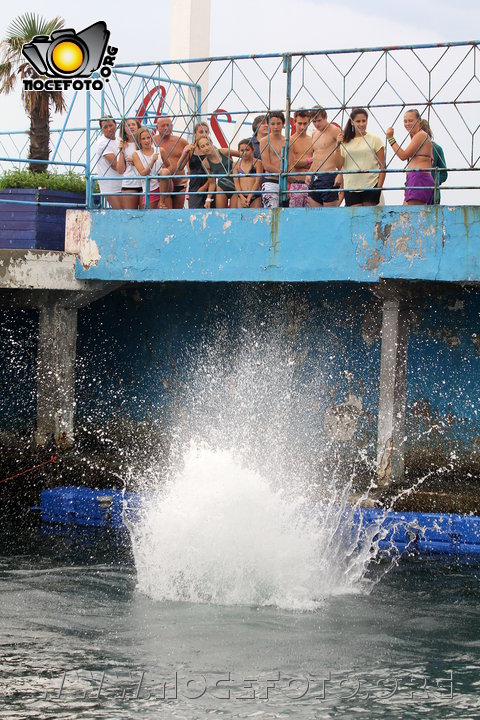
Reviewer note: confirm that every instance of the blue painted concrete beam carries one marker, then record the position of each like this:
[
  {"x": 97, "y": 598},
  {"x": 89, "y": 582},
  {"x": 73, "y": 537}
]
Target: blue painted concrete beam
[{"x": 288, "y": 245}]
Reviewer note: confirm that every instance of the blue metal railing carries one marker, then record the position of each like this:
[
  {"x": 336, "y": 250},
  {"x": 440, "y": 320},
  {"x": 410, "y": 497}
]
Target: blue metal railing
[{"x": 228, "y": 92}]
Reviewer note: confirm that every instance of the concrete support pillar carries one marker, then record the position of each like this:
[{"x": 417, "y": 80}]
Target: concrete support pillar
[
  {"x": 57, "y": 340},
  {"x": 392, "y": 403}
]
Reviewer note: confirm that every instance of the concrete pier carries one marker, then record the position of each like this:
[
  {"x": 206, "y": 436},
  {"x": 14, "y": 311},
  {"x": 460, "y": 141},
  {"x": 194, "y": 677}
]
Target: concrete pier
[
  {"x": 45, "y": 280},
  {"x": 392, "y": 400},
  {"x": 193, "y": 278},
  {"x": 57, "y": 340}
]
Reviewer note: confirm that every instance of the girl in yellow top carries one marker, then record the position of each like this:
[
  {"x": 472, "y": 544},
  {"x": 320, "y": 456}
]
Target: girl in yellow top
[{"x": 365, "y": 153}]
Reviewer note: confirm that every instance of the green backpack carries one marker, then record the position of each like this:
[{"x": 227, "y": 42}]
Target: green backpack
[
  {"x": 439, "y": 162},
  {"x": 439, "y": 171}
]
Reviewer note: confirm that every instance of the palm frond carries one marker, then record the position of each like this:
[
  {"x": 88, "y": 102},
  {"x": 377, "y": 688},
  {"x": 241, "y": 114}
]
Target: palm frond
[
  {"x": 26, "y": 26},
  {"x": 37, "y": 102},
  {"x": 8, "y": 77},
  {"x": 58, "y": 101},
  {"x": 5, "y": 69}
]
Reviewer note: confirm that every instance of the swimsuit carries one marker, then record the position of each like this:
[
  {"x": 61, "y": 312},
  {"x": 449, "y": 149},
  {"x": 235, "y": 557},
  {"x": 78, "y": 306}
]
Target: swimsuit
[
  {"x": 322, "y": 188},
  {"x": 419, "y": 186},
  {"x": 218, "y": 168},
  {"x": 154, "y": 197},
  {"x": 250, "y": 172},
  {"x": 358, "y": 197},
  {"x": 196, "y": 169},
  {"x": 270, "y": 188},
  {"x": 254, "y": 193},
  {"x": 298, "y": 194}
]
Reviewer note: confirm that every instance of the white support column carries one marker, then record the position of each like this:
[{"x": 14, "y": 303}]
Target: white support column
[
  {"x": 57, "y": 341},
  {"x": 392, "y": 402},
  {"x": 190, "y": 38}
]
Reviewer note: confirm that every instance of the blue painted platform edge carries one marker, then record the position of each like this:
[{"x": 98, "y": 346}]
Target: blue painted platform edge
[
  {"x": 412, "y": 531},
  {"x": 359, "y": 244}
]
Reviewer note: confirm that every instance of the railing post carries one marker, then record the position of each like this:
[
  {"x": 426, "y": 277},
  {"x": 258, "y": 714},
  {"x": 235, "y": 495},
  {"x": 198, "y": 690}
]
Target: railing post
[
  {"x": 102, "y": 98},
  {"x": 147, "y": 192},
  {"x": 283, "y": 180},
  {"x": 198, "y": 102},
  {"x": 60, "y": 137},
  {"x": 88, "y": 189}
]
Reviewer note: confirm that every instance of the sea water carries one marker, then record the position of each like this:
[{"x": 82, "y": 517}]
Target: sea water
[
  {"x": 245, "y": 590},
  {"x": 83, "y": 637}
]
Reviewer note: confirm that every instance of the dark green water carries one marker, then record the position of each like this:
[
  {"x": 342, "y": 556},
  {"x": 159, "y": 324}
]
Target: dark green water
[{"x": 79, "y": 641}]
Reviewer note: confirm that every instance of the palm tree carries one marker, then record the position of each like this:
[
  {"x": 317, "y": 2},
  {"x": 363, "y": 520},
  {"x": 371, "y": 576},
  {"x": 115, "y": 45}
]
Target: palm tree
[{"x": 37, "y": 103}]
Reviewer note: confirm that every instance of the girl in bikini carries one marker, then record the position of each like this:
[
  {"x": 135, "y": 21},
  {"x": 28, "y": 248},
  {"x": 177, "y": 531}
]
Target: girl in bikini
[
  {"x": 218, "y": 165},
  {"x": 419, "y": 187},
  {"x": 247, "y": 186}
]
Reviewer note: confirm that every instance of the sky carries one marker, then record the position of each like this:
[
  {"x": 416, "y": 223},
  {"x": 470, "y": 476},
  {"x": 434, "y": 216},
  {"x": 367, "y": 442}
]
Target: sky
[
  {"x": 247, "y": 26},
  {"x": 273, "y": 25}
]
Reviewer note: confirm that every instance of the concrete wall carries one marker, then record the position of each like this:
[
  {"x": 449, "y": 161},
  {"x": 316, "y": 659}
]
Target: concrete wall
[
  {"x": 291, "y": 245},
  {"x": 146, "y": 352},
  {"x": 443, "y": 381},
  {"x": 18, "y": 358}
]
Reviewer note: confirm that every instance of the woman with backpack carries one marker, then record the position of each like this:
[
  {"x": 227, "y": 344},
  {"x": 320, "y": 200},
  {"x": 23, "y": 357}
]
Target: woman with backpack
[
  {"x": 439, "y": 167},
  {"x": 419, "y": 187}
]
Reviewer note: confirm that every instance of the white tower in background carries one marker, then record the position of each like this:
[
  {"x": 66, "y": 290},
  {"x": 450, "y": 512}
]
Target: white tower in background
[{"x": 190, "y": 38}]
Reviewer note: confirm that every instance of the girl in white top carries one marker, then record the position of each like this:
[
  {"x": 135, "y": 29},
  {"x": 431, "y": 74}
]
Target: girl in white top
[
  {"x": 361, "y": 151},
  {"x": 147, "y": 161},
  {"x": 131, "y": 183}
]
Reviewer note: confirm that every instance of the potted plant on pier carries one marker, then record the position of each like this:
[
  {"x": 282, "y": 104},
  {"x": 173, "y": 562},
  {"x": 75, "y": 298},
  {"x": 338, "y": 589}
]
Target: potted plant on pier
[{"x": 26, "y": 221}]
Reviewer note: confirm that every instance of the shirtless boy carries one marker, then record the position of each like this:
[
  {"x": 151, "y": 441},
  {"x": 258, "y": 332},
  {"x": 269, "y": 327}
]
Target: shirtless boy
[
  {"x": 299, "y": 159},
  {"x": 325, "y": 158},
  {"x": 174, "y": 145},
  {"x": 271, "y": 148}
]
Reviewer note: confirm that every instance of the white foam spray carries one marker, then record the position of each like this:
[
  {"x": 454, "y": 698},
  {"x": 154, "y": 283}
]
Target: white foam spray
[
  {"x": 247, "y": 513},
  {"x": 219, "y": 532}
]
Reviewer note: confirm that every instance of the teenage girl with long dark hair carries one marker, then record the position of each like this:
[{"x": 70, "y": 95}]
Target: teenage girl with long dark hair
[{"x": 364, "y": 154}]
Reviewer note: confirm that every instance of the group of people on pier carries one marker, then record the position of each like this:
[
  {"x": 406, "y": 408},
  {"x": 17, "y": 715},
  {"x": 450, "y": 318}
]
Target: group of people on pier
[{"x": 324, "y": 169}]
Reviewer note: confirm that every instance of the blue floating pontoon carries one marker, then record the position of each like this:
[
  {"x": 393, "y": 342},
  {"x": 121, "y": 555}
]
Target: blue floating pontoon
[
  {"x": 85, "y": 507},
  {"x": 422, "y": 532},
  {"x": 400, "y": 531}
]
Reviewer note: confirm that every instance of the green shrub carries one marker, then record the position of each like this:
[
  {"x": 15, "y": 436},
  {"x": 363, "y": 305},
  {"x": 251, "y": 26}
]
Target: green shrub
[{"x": 51, "y": 181}]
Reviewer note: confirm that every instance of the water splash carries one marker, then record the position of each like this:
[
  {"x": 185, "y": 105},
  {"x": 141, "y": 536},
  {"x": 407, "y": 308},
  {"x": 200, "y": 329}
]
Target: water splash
[
  {"x": 218, "y": 532},
  {"x": 249, "y": 510}
]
